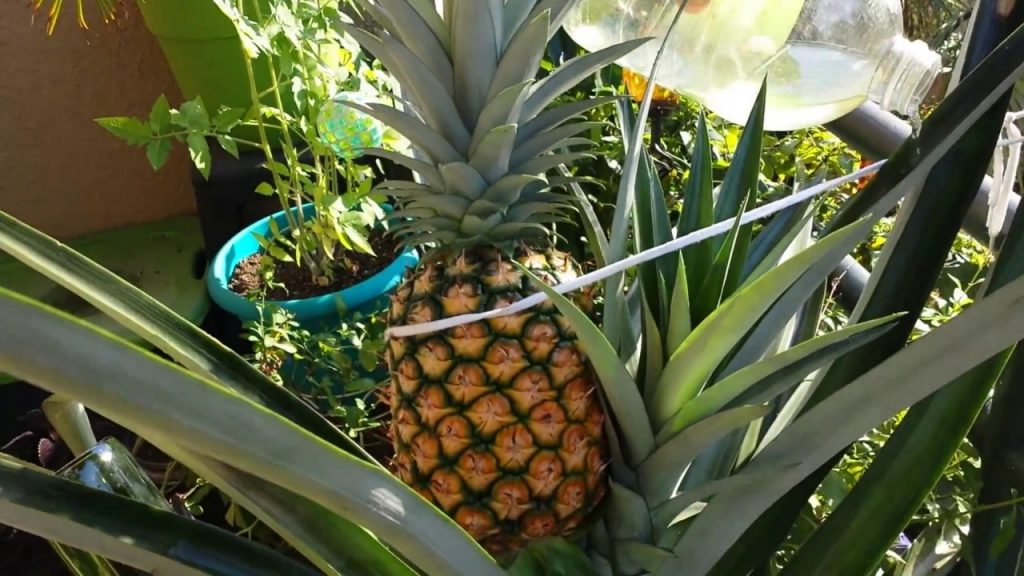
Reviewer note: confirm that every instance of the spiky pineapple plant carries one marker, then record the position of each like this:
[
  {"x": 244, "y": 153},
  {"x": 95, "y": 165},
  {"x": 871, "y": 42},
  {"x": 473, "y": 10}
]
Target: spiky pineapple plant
[{"x": 496, "y": 422}]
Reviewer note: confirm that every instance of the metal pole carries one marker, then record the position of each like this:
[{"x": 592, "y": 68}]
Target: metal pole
[{"x": 877, "y": 134}]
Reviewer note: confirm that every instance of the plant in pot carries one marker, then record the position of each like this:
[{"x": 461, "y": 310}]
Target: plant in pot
[
  {"x": 326, "y": 248},
  {"x": 203, "y": 49}
]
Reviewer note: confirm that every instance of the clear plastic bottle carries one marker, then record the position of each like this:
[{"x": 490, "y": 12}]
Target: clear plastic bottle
[{"x": 823, "y": 58}]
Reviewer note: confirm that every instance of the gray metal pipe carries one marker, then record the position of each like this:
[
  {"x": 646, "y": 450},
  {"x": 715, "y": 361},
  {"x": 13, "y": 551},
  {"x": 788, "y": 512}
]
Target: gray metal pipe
[{"x": 877, "y": 134}]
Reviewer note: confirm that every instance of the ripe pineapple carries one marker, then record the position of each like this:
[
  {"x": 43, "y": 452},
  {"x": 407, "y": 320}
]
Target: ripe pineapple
[{"x": 498, "y": 423}]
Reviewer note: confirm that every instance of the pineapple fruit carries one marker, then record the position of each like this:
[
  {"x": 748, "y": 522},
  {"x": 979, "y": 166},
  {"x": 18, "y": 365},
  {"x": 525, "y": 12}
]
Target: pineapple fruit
[{"x": 498, "y": 423}]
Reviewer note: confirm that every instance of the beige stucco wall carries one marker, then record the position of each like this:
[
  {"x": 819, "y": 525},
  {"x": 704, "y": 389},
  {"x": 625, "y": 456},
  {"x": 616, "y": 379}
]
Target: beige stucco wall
[{"x": 59, "y": 170}]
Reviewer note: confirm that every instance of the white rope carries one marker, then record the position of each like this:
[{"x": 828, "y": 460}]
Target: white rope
[
  {"x": 637, "y": 259},
  {"x": 1004, "y": 174}
]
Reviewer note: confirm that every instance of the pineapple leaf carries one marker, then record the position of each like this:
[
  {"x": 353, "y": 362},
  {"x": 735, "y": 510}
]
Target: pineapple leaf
[
  {"x": 543, "y": 164},
  {"x": 627, "y": 516},
  {"x": 654, "y": 349},
  {"x": 555, "y": 117},
  {"x": 425, "y": 169},
  {"x": 620, "y": 390},
  {"x": 741, "y": 181},
  {"x": 147, "y": 317},
  {"x": 552, "y": 557},
  {"x": 428, "y": 94},
  {"x": 508, "y": 190},
  {"x": 679, "y": 323},
  {"x": 462, "y": 179},
  {"x": 559, "y": 10},
  {"x": 408, "y": 25},
  {"x": 127, "y": 531},
  {"x": 503, "y": 109},
  {"x": 636, "y": 557},
  {"x": 986, "y": 328},
  {"x": 511, "y": 230},
  {"x": 692, "y": 364},
  {"x": 483, "y": 208},
  {"x": 572, "y": 73},
  {"x": 713, "y": 291},
  {"x": 453, "y": 207},
  {"x": 699, "y": 208},
  {"x": 426, "y": 225},
  {"x": 521, "y": 60},
  {"x": 516, "y": 13},
  {"x": 106, "y": 374},
  {"x": 652, "y": 228},
  {"x": 428, "y": 11},
  {"x": 419, "y": 134},
  {"x": 741, "y": 185},
  {"x": 662, "y": 471},
  {"x": 492, "y": 156},
  {"x": 770, "y": 325},
  {"x": 527, "y": 210},
  {"x": 591, "y": 224},
  {"x": 775, "y": 240},
  {"x": 762, "y": 381},
  {"x": 474, "y": 27},
  {"x": 667, "y": 513},
  {"x": 545, "y": 141}
]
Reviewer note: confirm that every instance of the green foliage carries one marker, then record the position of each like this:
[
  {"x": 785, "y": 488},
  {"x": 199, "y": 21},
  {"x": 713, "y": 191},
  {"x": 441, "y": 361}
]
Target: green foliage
[
  {"x": 336, "y": 370},
  {"x": 703, "y": 391},
  {"x": 310, "y": 62}
]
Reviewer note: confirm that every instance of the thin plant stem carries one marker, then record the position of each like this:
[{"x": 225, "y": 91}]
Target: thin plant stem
[{"x": 261, "y": 127}]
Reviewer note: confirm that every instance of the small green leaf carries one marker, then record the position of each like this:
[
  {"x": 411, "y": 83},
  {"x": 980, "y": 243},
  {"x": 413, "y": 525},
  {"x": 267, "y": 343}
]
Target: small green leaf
[
  {"x": 228, "y": 118},
  {"x": 358, "y": 240},
  {"x": 265, "y": 189},
  {"x": 193, "y": 116},
  {"x": 157, "y": 152},
  {"x": 199, "y": 150},
  {"x": 160, "y": 115},
  {"x": 279, "y": 253},
  {"x": 228, "y": 144},
  {"x": 131, "y": 130},
  {"x": 280, "y": 168}
]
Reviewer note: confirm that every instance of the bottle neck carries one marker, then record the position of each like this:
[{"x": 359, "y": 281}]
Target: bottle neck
[{"x": 905, "y": 76}]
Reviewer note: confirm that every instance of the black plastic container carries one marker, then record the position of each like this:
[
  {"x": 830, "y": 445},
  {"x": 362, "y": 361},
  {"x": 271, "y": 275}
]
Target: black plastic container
[{"x": 227, "y": 201}]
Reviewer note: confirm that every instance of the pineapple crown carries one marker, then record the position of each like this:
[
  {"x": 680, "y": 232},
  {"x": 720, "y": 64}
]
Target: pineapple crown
[{"x": 480, "y": 119}]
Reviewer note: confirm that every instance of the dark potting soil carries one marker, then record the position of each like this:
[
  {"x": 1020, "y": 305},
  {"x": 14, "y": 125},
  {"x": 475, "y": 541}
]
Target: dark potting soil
[{"x": 297, "y": 280}]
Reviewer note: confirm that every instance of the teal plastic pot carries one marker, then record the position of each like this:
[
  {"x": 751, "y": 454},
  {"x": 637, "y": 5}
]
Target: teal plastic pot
[{"x": 316, "y": 313}]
